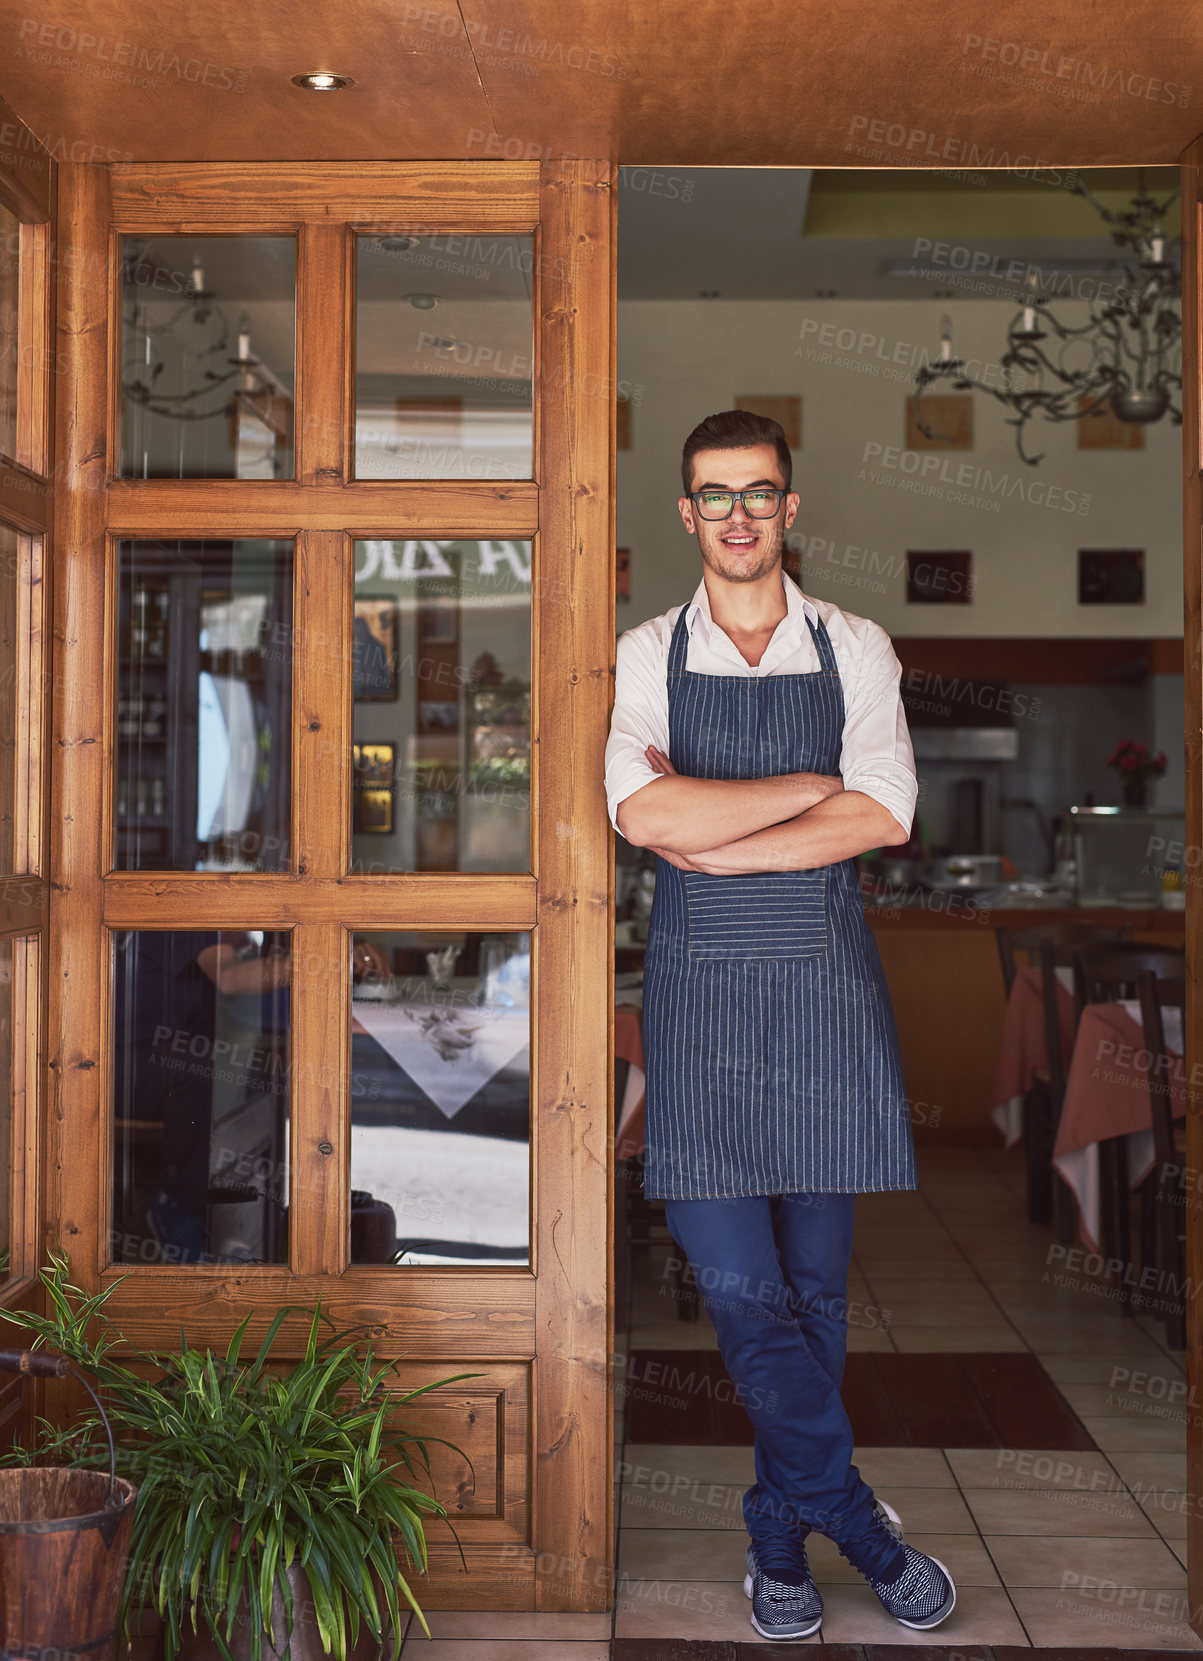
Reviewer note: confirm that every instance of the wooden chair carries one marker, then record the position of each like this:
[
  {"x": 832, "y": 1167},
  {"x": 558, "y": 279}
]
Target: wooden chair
[
  {"x": 1163, "y": 1210},
  {"x": 1030, "y": 940},
  {"x": 1110, "y": 974},
  {"x": 1039, "y": 1118}
]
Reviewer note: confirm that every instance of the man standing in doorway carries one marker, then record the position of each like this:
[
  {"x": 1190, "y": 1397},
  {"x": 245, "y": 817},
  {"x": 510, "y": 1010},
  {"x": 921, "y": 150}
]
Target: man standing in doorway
[{"x": 759, "y": 744}]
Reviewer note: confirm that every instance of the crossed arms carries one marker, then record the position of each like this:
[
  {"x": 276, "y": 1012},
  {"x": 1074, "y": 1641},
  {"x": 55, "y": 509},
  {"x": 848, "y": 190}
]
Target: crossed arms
[{"x": 794, "y": 822}]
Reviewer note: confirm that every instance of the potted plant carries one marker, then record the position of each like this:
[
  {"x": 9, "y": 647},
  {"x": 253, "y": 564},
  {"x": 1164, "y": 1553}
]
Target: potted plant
[
  {"x": 1136, "y": 769},
  {"x": 274, "y": 1507}
]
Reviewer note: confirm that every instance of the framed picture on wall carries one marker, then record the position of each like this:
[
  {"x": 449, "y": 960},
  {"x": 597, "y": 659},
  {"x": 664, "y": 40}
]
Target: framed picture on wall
[
  {"x": 373, "y": 812},
  {"x": 438, "y": 625},
  {"x": 784, "y": 407},
  {"x": 374, "y": 769},
  {"x": 1111, "y": 576},
  {"x": 374, "y": 650},
  {"x": 939, "y": 577},
  {"x": 374, "y": 764},
  {"x": 1099, "y": 428},
  {"x": 949, "y": 418},
  {"x": 438, "y": 716}
]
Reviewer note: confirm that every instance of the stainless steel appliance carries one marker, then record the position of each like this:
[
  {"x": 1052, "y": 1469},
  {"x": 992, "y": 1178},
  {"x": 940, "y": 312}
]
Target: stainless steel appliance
[{"x": 1115, "y": 855}]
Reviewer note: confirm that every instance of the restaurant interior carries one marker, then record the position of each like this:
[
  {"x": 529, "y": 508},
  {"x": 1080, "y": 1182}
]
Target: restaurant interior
[{"x": 1016, "y": 1325}]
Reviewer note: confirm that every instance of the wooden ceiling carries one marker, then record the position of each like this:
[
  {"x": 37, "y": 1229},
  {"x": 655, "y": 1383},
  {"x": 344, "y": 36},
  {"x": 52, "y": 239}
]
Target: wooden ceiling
[{"x": 800, "y": 83}]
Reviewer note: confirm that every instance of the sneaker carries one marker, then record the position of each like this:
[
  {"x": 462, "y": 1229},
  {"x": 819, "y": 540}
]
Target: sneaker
[
  {"x": 782, "y": 1609},
  {"x": 922, "y": 1596},
  {"x": 888, "y": 1518}
]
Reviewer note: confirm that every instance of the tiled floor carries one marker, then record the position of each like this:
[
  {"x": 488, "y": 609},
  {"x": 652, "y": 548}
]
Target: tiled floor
[{"x": 1050, "y": 1548}]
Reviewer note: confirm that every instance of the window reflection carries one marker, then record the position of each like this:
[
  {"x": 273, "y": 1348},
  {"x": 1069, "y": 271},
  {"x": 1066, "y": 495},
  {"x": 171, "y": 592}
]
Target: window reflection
[
  {"x": 440, "y": 1098},
  {"x": 203, "y": 716},
  {"x": 200, "y": 1096},
  {"x": 208, "y": 350},
  {"x": 10, "y": 316},
  {"x": 441, "y": 667},
  {"x": 15, "y": 692},
  {"x": 443, "y": 357}
]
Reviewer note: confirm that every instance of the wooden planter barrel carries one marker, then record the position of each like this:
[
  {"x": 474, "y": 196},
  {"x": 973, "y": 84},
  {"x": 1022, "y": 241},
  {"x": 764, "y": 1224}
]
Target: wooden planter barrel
[{"x": 62, "y": 1560}]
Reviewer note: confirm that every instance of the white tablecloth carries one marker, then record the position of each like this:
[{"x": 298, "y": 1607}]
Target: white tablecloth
[
  {"x": 1008, "y": 1115},
  {"x": 1081, "y": 1168}
]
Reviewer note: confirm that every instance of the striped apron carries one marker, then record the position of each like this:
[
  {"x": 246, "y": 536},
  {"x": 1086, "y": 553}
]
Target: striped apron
[{"x": 772, "y": 1054}]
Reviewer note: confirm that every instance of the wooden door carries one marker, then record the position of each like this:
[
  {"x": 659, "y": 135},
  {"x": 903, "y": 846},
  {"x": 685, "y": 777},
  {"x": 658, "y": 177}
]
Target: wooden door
[
  {"x": 536, "y": 1420},
  {"x": 27, "y": 289}
]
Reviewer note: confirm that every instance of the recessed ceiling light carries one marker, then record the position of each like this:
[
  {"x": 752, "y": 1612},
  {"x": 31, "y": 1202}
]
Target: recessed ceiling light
[
  {"x": 423, "y": 302},
  {"x": 320, "y": 80}
]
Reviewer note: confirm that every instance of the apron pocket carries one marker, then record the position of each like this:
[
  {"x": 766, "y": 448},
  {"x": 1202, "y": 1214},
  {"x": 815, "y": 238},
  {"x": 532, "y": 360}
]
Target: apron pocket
[{"x": 765, "y": 914}]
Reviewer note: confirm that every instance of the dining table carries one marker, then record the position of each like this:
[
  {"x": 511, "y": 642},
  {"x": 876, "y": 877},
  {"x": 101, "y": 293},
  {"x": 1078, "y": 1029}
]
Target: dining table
[
  {"x": 1107, "y": 1097},
  {"x": 1106, "y": 1090}
]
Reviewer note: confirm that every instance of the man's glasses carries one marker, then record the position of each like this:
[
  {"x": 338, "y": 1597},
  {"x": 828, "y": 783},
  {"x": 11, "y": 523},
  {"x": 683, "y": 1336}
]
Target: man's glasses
[{"x": 758, "y": 503}]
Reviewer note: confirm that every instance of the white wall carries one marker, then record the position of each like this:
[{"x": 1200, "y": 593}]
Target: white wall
[{"x": 682, "y": 360}]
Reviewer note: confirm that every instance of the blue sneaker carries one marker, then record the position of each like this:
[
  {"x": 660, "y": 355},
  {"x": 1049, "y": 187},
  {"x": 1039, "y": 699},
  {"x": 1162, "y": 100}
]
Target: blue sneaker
[
  {"x": 785, "y": 1609},
  {"x": 922, "y": 1596}
]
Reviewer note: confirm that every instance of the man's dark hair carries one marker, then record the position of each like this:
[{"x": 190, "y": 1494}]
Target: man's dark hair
[{"x": 735, "y": 429}]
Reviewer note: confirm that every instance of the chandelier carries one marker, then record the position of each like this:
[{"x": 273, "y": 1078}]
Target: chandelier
[
  {"x": 212, "y": 358},
  {"x": 1127, "y": 354}
]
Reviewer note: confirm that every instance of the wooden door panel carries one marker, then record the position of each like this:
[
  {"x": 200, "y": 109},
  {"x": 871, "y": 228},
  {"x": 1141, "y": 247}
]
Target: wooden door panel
[
  {"x": 486, "y": 1484},
  {"x": 536, "y": 1422}
]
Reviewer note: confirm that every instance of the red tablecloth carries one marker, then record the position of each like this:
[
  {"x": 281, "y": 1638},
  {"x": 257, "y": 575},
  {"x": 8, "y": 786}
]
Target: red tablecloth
[
  {"x": 1107, "y": 1095},
  {"x": 628, "y": 1045},
  {"x": 1024, "y": 1049}
]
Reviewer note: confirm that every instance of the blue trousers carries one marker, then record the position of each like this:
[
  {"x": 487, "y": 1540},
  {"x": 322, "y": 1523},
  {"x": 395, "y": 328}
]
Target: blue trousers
[{"x": 772, "y": 1271}]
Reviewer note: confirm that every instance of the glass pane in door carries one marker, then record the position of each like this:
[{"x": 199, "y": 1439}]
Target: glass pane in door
[
  {"x": 204, "y": 697},
  {"x": 208, "y": 357},
  {"x": 444, "y": 349},
  {"x": 200, "y": 1096},
  {"x": 15, "y": 697},
  {"x": 441, "y": 664},
  {"x": 10, "y": 318},
  {"x": 440, "y": 1098}
]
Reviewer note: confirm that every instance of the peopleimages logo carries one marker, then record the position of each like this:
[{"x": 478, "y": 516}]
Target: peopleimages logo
[
  {"x": 936, "y": 470},
  {"x": 1031, "y": 60},
  {"x": 43, "y": 38}
]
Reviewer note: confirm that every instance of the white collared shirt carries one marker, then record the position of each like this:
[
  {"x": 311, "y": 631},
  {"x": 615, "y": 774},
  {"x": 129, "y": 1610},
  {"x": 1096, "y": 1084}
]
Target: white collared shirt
[{"x": 876, "y": 757}]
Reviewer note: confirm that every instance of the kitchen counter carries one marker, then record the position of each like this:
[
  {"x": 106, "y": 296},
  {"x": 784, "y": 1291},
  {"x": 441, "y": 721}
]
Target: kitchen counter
[{"x": 955, "y": 910}]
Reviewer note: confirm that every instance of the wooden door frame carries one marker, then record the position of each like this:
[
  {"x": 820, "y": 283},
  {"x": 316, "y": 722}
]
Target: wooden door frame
[
  {"x": 1192, "y": 562},
  {"x": 547, "y": 1329},
  {"x": 28, "y": 189}
]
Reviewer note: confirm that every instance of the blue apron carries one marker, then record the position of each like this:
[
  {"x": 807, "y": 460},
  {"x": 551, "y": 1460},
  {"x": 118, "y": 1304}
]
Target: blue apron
[{"x": 772, "y": 1054}]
